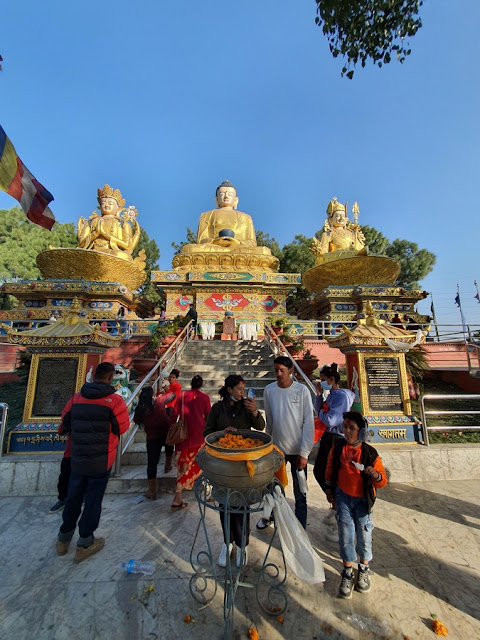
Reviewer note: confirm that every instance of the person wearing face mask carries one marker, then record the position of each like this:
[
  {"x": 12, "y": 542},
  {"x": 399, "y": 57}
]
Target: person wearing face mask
[
  {"x": 330, "y": 413},
  {"x": 231, "y": 413}
]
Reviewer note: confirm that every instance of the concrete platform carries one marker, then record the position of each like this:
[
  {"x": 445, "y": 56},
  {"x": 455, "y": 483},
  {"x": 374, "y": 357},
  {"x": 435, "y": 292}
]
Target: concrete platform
[
  {"x": 426, "y": 545},
  {"x": 37, "y": 475}
]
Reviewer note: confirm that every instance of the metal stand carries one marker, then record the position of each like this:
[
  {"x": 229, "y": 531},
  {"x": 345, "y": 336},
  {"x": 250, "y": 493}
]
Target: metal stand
[{"x": 204, "y": 582}]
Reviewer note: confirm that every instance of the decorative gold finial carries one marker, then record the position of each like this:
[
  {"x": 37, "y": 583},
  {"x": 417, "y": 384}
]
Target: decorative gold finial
[{"x": 108, "y": 192}]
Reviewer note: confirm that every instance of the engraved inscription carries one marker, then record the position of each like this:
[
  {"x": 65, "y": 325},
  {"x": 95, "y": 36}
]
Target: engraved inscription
[
  {"x": 383, "y": 384},
  {"x": 55, "y": 385}
]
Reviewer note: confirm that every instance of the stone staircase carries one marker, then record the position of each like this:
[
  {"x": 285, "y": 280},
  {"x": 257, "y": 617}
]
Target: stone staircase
[{"x": 214, "y": 361}]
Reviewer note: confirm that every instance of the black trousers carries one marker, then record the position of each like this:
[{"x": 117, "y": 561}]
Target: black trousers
[
  {"x": 236, "y": 524},
  {"x": 326, "y": 443},
  {"x": 154, "y": 449},
  {"x": 64, "y": 478},
  {"x": 90, "y": 489}
]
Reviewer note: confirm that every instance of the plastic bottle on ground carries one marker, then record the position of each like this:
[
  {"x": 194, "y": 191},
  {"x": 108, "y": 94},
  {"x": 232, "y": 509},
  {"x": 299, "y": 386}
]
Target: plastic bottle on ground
[{"x": 136, "y": 566}]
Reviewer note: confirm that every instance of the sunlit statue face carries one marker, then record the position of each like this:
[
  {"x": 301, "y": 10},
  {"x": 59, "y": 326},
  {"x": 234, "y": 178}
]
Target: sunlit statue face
[
  {"x": 339, "y": 218},
  {"x": 227, "y": 197},
  {"x": 108, "y": 206}
]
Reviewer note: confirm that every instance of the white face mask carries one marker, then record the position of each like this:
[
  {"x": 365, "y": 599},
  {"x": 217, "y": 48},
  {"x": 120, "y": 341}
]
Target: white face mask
[
  {"x": 325, "y": 385},
  {"x": 233, "y": 399}
]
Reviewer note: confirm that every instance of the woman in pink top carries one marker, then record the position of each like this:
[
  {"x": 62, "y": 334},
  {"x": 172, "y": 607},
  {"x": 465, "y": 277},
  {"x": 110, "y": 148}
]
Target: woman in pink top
[{"x": 194, "y": 407}]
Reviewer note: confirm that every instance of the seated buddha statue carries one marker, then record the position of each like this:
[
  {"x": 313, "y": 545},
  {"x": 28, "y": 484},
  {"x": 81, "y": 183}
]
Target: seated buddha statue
[
  {"x": 110, "y": 232},
  {"x": 339, "y": 233},
  {"x": 226, "y": 232}
]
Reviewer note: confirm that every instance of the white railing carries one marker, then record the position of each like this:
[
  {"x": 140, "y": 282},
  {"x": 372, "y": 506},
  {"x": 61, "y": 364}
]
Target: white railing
[
  {"x": 424, "y": 413},
  {"x": 154, "y": 378}
]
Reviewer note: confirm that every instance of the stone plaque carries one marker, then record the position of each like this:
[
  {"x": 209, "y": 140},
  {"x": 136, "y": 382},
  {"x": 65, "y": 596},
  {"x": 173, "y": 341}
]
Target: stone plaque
[
  {"x": 384, "y": 384},
  {"x": 55, "y": 386}
]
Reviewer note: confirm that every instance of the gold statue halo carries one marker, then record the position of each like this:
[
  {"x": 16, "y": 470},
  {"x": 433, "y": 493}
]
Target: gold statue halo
[{"x": 108, "y": 192}]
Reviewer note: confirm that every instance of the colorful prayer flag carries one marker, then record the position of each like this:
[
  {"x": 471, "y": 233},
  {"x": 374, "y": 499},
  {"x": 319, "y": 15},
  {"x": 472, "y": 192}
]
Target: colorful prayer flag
[{"x": 18, "y": 182}]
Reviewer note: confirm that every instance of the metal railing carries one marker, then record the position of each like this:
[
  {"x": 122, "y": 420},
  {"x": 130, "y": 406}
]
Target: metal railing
[
  {"x": 424, "y": 413},
  {"x": 278, "y": 349},
  {"x": 473, "y": 357},
  {"x": 3, "y": 424},
  {"x": 154, "y": 378}
]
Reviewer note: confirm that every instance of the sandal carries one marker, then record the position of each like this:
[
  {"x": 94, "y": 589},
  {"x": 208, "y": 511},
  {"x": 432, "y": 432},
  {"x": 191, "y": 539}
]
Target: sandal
[{"x": 177, "y": 507}]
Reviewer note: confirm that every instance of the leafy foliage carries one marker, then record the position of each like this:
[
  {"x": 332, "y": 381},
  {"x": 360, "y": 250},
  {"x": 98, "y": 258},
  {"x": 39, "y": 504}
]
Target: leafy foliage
[
  {"x": 191, "y": 239},
  {"x": 362, "y": 30},
  {"x": 415, "y": 263}
]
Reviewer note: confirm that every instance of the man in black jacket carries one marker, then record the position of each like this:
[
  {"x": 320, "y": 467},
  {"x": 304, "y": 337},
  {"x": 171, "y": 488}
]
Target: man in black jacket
[
  {"x": 95, "y": 418},
  {"x": 192, "y": 313}
]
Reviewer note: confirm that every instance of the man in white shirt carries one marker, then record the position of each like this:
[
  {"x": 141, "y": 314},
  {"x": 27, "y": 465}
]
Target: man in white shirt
[{"x": 289, "y": 415}]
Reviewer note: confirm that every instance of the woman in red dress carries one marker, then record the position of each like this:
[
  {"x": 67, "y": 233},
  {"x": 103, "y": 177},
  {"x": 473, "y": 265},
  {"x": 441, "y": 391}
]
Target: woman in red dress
[{"x": 194, "y": 407}]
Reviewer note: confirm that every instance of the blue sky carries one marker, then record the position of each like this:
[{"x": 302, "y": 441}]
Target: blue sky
[{"x": 165, "y": 100}]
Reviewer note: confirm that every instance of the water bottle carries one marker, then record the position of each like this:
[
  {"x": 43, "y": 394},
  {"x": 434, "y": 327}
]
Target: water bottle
[{"x": 136, "y": 566}]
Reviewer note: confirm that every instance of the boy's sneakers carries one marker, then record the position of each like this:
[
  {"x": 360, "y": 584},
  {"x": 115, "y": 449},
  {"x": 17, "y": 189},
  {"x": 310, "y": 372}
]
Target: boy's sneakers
[
  {"x": 346, "y": 586},
  {"x": 58, "y": 506},
  {"x": 363, "y": 578},
  {"x": 82, "y": 553}
]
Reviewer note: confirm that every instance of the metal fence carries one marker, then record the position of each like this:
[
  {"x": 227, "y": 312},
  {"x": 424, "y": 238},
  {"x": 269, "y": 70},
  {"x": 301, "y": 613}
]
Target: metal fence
[
  {"x": 3, "y": 424},
  {"x": 424, "y": 413}
]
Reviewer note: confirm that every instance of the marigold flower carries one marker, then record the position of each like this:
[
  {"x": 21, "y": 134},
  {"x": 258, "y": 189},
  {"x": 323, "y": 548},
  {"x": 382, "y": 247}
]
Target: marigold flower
[{"x": 439, "y": 628}]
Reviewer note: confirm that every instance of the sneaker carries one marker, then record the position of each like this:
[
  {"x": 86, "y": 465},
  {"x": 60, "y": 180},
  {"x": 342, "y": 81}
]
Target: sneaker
[
  {"x": 331, "y": 534},
  {"x": 62, "y": 547},
  {"x": 82, "y": 553},
  {"x": 222, "y": 558},
  {"x": 346, "y": 586},
  {"x": 363, "y": 578},
  {"x": 264, "y": 523},
  {"x": 58, "y": 506},
  {"x": 240, "y": 555},
  {"x": 331, "y": 517}
]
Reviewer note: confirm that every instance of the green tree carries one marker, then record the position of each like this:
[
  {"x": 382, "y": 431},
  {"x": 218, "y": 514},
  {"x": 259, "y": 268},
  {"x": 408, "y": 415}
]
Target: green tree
[
  {"x": 152, "y": 255},
  {"x": 415, "y": 263},
  {"x": 265, "y": 240},
  {"x": 21, "y": 242},
  {"x": 363, "y": 30},
  {"x": 375, "y": 240},
  {"x": 296, "y": 259},
  {"x": 191, "y": 239}
]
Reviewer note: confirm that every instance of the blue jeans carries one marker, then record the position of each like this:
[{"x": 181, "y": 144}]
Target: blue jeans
[
  {"x": 353, "y": 519},
  {"x": 80, "y": 488},
  {"x": 300, "y": 499}
]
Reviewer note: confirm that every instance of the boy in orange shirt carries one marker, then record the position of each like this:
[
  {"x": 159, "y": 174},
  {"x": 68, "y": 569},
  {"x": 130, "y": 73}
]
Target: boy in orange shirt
[{"x": 354, "y": 472}]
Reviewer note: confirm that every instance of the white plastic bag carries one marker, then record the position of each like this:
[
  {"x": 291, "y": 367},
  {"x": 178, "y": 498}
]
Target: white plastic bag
[
  {"x": 299, "y": 554},
  {"x": 302, "y": 481}
]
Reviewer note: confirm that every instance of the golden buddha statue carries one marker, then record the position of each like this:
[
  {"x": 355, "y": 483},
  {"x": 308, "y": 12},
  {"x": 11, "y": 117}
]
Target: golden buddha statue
[
  {"x": 105, "y": 246},
  {"x": 339, "y": 233},
  {"x": 226, "y": 240},
  {"x": 108, "y": 232},
  {"x": 341, "y": 256}
]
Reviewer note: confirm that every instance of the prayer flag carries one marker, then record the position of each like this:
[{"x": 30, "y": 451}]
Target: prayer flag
[
  {"x": 457, "y": 299},
  {"x": 477, "y": 297},
  {"x": 18, "y": 182}
]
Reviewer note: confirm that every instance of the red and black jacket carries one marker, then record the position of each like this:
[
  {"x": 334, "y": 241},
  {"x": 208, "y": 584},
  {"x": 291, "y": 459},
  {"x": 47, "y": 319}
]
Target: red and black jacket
[{"x": 95, "y": 418}]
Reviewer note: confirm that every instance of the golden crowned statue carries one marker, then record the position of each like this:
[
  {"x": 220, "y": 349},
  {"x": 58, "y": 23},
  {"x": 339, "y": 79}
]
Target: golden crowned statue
[
  {"x": 110, "y": 232},
  {"x": 106, "y": 242},
  {"x": 341, "y": 256},
  {"x": 225, "y": 240}
]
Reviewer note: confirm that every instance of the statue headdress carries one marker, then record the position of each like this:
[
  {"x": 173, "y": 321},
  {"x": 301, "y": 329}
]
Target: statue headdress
[
  {"x": 108, "y": 192},
  {"x": 334, "y": 205}
]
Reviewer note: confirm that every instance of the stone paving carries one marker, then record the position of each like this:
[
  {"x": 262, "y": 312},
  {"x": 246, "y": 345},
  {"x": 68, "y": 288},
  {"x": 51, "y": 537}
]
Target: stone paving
[{"x": 426, "y": 548}]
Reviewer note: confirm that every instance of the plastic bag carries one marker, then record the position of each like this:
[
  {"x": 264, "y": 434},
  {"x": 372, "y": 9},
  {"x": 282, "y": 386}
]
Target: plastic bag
[
  {"x": 299, "y": 554},
  {"x": 302, "y": 481},
  {"x": 370, "y": 625}
]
